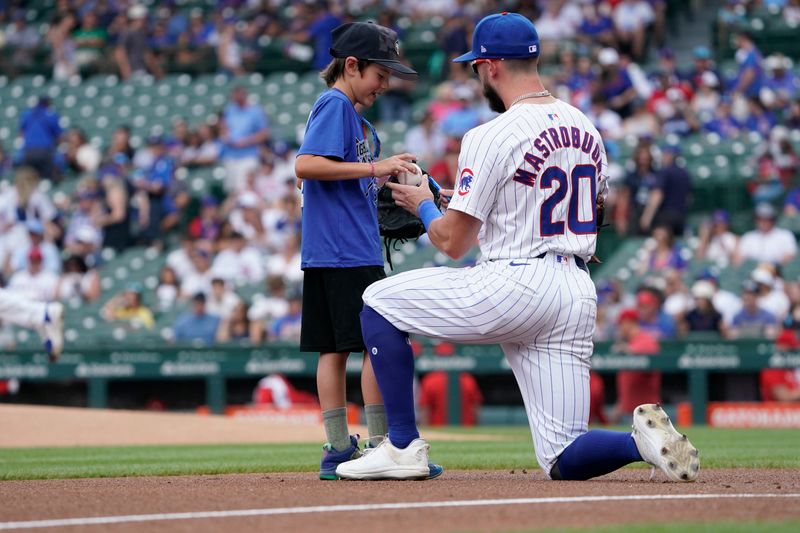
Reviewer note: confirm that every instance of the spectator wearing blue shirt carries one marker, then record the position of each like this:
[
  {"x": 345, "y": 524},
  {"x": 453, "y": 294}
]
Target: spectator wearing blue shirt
[
  {"x": 200, "y": 30},
  {"x": 244, "y": 129},
  {"x": 152, "y": 187},
  {"x": 196, "y": 325},
  {"x": 724, "y": 124},
  {"x": 781, "y": 80},
  {"x": 596, "y": 27},
  {"x": 635, "y": 192},
  {"x": 750, "y": 77},
  {"x": 753, "y": 321},
  {"x": 322, "y": 22},
  {"x": 465, "y": 117},
  {"x": 615, "y": 83},
  {"x": 40, "y": 135},
  {"x": 669, "y": 198},
  {"x": 287, "y": 327},
  {"x": 759, "y": 118},
  {"x": 651, "y": 317}
]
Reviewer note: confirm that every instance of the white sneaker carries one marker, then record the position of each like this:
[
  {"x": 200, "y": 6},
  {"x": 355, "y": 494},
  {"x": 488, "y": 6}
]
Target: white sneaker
[
  {"x": 52, "y": 331},
  {"x": 388, "y": 462},
  {"x": 662, "y": 446}
]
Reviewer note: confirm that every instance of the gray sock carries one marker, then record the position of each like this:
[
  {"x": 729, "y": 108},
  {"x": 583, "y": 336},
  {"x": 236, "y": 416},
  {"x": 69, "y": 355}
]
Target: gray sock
[
  {"x": 376, "y": 422},
  {"x": 335, "y": 422}
]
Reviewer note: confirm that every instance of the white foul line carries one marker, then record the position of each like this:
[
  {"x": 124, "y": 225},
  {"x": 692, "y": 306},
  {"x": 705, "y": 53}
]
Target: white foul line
[{"x": 124, "y": 519}]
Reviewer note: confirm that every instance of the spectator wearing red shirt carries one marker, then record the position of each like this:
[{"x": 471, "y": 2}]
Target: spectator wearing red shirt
[
  {"x": 279, "y": 392},
  {"x": 433, "y": 390},
  {"x": 597, "y": 399},
  {"x": 635, "y": 387},
  {"x": 782, "y": 384}
]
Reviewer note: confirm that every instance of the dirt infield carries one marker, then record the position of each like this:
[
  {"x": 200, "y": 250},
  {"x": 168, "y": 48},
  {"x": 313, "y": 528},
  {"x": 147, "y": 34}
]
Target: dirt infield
[
  {"x": 286, "y": 495},
  {"x": 69, "y": 426},
  {"x": 458, "y": 501}
]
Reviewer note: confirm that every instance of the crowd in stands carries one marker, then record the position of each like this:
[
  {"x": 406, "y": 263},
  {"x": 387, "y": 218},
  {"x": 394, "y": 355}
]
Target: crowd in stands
[
  {"x": 612, "y": 60},
  {"x": 247, "y": 235},
  {"x": 669, "y": 305}
]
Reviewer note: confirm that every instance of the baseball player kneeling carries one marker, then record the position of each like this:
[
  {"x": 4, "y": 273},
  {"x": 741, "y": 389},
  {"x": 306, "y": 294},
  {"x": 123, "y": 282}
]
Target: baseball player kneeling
[{"x": 529, "y": 185}]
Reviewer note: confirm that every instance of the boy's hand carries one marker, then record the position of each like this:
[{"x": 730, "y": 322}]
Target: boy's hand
[{"x": 395, "y": 164}]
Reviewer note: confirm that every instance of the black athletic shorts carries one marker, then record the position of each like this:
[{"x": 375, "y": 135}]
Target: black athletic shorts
[{"x": 331, "y": 306}]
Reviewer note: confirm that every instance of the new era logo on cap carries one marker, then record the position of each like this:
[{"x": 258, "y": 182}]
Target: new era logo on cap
[{"x": 503, "y": 36}]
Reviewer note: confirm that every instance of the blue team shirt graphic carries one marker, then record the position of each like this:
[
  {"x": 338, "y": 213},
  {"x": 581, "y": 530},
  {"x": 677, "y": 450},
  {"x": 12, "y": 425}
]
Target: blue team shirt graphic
[{"x": 340, "y": 219}]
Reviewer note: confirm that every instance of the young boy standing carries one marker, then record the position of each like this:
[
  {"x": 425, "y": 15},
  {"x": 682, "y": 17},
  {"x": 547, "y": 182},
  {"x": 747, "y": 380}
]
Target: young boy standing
[{"x": 341, "y": 248}]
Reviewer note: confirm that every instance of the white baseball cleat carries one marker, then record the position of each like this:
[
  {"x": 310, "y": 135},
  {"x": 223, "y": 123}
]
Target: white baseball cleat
[
  {"x": 388, "y": 462},
  {"x": 52, "y": 330},
  {"x": 662, "y": 446}
]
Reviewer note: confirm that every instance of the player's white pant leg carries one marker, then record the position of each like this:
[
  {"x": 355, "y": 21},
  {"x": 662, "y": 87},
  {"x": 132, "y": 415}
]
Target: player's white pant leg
[
  {"x": 555, "y": 390},
  {"x": 485, "y": 304},
  {"x": 553, "y": 370},
  {"x": 21, "y": 311}
]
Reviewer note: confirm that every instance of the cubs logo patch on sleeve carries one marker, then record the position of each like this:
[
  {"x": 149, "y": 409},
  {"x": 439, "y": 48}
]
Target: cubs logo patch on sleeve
[{"x": 465, "y": 182}]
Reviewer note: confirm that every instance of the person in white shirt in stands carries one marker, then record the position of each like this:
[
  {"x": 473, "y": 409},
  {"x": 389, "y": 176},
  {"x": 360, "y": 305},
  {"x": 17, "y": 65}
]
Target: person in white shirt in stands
[
  {"x": 426, "y": 140},
  {"x": 222, "y": 300},
  {"x": 247, "y": 218},
  {"x": 727, "y": 303},
  {"x": 36, "y": 239},
  {"x": 26, "y": 303},
  {"x": 35, "y": 282},
  {"x": 631, "y": 20},
  {"x": 180, "y": 260},
  {"x": 717, "y": 242},
  {"x": 771, "y": 294},
  {"x": 286, "y": 263},
  {"x": 239, "y": 262},
  {"x": 199, "y": 278},
  {"x": 267, "y": 307},
  {"x": 766, "y": 243}
]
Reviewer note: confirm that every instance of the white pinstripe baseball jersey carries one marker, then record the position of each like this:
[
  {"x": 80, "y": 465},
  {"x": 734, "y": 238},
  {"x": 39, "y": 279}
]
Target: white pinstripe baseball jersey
[{"x": 532, "y": 176}]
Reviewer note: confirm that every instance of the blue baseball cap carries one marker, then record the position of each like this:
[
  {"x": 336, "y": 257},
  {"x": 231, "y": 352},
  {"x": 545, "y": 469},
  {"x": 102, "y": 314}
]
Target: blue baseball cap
[
  {"x": 707, "y": 275},
  {"x": 34, "y": 226},
  {"x": 674, "y": 149},
  {"x": 721, "y": 215},
  {"x": 503, "y": 36},
  {"x": 701, "y": 52}
]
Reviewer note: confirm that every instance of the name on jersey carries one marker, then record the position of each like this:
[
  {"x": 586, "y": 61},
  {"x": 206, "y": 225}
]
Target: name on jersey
[{"x": 552, "y": 139}]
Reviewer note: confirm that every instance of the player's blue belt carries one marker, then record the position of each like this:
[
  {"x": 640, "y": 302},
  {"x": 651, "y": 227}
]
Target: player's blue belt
[{"x": 578, "y": 261}]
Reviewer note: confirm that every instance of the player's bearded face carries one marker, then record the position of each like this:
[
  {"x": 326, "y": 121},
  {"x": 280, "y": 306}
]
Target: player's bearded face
[{"x": 495, "y": 102}]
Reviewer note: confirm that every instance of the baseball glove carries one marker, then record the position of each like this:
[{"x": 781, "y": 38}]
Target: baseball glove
[
  {"x": 601, "y": 215},
  {"x": 397, "y": 225}
]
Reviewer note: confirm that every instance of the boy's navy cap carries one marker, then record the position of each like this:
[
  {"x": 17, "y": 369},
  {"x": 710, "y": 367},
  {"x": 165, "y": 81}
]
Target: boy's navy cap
[
  {"x": 365, "y": 40},
  {"x": 503, "y": 36}
]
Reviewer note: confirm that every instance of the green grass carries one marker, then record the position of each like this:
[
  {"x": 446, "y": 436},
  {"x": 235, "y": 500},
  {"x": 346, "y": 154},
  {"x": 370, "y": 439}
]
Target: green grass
[{"x": 719, "y": 448}]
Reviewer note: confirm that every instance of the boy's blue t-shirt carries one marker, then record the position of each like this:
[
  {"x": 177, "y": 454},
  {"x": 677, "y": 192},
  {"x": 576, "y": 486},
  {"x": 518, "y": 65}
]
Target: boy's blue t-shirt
[{"x": 340, "y": 218}]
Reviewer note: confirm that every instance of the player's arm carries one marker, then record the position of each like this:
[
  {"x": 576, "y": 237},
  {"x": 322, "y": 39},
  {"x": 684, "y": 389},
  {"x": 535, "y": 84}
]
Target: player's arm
[
  {"x": 317, "y": 167},
  {"x": 453, "y": 233}
]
